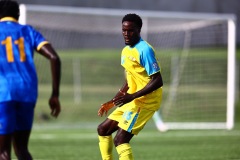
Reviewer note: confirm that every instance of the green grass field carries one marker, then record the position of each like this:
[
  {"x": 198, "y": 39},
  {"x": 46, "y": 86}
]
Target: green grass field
[
  {"x": 82, "y": 144},
  {"x": 73, "y": 135}
]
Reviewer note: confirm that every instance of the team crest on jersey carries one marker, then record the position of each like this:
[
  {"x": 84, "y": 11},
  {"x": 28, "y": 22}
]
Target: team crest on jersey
[{"x": 155, "y": 65}]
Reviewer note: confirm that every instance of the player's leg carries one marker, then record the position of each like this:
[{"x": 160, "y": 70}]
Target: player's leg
[
  {"x": 7, "y": 123},
  {"x": 107, "y": 127},
  {"x": 121, "y": 141},
  {"x": 24, "y": 116},
  {"x": 131, "y": 123},
  {"x": 105, "y": 130},
  {"x": 20, "y": 143},
  {"x": 5, "y": 147},
  {"x": 127, "y": 125}
]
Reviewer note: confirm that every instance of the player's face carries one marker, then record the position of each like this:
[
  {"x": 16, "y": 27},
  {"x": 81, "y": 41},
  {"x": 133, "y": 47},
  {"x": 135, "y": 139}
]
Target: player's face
[{"x": 131, "y": 33}]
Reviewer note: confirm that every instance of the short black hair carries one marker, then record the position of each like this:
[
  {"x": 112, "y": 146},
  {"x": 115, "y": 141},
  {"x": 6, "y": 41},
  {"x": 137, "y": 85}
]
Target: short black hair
[
  {"x": 132, "y": 17},
  {"x": 9, "y": 8}
]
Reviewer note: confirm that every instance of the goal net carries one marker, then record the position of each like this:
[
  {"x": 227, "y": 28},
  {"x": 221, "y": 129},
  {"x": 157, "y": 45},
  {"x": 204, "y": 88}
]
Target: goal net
[{"x": 196, "y": 53}]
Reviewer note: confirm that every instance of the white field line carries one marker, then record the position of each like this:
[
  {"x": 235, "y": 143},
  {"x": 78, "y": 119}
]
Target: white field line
[
  {"x": 66, "y": 136},
  {"x": 49, "y": 136},
  {"x": 186, "y": 133}
]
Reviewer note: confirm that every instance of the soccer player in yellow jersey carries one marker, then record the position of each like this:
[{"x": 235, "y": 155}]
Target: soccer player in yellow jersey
[{"x": 139, "y": 97}]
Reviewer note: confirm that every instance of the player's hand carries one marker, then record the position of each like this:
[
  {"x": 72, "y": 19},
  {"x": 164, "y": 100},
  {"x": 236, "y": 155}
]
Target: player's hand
[
  {"x": 121, "y": 100},
  {"x": 105, "y": 108},
  {"x": 54, "y": 106}
]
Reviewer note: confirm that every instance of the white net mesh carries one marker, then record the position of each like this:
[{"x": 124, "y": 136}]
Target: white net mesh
[{"x": 192, "y": 53}]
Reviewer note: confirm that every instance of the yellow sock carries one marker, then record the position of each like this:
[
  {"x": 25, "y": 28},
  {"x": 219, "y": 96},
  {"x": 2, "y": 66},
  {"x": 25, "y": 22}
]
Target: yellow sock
[
  {"x": 105, "y": 146},
  {"x": 125, "y": 151}
]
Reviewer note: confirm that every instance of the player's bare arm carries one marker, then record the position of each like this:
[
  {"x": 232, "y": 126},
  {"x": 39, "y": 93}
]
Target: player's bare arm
[
  {"x": 48, "y": 51},
  {"x": 155, "y": 83}
]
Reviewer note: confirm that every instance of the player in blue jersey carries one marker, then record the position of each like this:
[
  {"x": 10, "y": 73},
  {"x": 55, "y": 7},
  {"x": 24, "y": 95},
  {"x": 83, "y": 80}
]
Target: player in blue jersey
[
  {"x": 139, "y": 97},
  {"x": 18, "y": 80}
]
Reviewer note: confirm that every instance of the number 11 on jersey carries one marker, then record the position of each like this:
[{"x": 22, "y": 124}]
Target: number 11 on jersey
[{"x": 9, "y": 48}]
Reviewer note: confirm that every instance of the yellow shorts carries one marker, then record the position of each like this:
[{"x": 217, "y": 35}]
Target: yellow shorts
[{"x": 131, "y": 118}]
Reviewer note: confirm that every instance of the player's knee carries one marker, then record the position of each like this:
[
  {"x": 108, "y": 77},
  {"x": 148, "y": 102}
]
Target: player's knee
[
  {"x": 103, "y": 131},
  {"x": 121, "y": 139},
  {"x": 117, "y": 141},
  {"x": 100, "y": 130}
]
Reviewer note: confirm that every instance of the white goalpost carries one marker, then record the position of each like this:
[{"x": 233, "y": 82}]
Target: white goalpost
[{"x": 196, "y": 52}]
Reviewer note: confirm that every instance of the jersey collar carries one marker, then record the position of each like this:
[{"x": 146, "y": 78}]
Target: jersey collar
[
  {"x": 8, "y": 19},
  {"x": 136, "y": 43}
]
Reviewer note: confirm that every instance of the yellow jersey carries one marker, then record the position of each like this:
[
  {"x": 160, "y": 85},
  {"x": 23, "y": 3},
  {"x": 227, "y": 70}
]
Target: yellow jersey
[{"x": 140, "y": 63}]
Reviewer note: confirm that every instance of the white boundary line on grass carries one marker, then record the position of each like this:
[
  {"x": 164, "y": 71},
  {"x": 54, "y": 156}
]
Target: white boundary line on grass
[{"x": 67, "y": 136}]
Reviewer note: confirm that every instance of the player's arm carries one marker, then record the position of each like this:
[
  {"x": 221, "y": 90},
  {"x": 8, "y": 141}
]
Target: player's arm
[
  {"x": 155, "y": 83},
  {"x": 55, "y": 63},
  {"x": 108, "y": 105},
  {"x": 122, "y": 90}
]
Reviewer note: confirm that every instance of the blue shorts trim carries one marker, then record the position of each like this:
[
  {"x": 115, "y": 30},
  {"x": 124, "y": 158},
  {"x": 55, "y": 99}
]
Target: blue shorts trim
[{"x": 16, "y": 116}]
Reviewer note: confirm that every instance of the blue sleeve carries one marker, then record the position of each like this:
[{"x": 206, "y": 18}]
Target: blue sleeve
[
  {"x": 36, "y": 37},
  {"x": 149, "y": 61}
]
